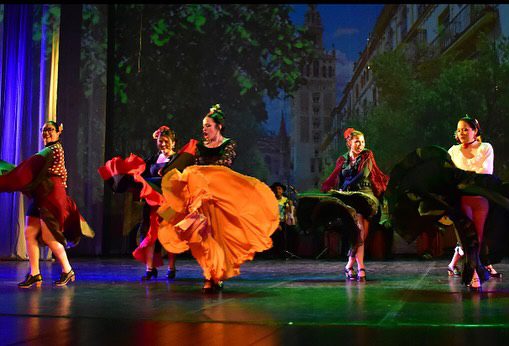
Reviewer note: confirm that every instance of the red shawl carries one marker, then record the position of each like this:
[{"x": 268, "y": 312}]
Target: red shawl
[
  {"x": 135, "y": 166},
  {"x": 378, "y": 179}
]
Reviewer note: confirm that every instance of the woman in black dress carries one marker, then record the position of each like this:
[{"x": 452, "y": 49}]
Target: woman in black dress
[
  {"x": 359, "y": 184},
  {"x": 143, "y": 178},
  {"x": 165, "y": 140}
]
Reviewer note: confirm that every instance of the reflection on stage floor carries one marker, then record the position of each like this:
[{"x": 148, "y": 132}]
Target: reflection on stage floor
[{"x": 272, "y": 302}]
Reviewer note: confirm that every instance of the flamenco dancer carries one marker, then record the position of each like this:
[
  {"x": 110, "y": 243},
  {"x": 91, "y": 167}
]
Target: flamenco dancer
[
  {"x": 143, "y": 177},
  {"x": 350, "y": 202},
  {"x": 222, "y": 216},
  {"x": 429, "y": 184},
  {"x": 52, "y": 217},
  {"x": 474, "y": 155}
]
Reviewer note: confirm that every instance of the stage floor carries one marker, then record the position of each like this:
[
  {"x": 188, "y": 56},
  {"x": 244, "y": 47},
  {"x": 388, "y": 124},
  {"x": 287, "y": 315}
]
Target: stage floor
[{"x": 272, "y": 302}]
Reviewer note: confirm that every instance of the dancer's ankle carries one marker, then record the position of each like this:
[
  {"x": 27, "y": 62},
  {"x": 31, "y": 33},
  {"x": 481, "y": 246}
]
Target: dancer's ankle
[
  {"x": 491, "y": 269},
  {"x": 475, "y": 283}
]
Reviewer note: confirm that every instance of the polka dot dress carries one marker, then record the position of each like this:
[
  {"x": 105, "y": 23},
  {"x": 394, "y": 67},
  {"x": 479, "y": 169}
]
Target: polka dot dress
[{"x": 58, "y": 165}]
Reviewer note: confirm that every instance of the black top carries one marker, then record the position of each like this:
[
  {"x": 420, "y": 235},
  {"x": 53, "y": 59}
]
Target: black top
[
  {"x": 222, "y": 155},
  {"x": 152, "y": 168},
  {"x": 352, "y": 179}
]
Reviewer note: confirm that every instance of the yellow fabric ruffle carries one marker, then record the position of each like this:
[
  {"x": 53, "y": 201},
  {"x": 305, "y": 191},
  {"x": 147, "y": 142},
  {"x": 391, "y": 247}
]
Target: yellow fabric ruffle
[{"x": 222, "y": 216}]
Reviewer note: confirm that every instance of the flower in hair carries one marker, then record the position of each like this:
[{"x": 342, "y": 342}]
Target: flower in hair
[
  {"x": 348, "y": 132},
  {"x": 157, "y": 132},
  {"x": 215, "y": 109}
]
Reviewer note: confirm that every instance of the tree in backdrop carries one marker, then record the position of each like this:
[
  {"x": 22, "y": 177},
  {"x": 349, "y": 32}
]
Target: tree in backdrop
[
  {"x": 421, "y": 101},
  {"x": 174, "y": 61}
]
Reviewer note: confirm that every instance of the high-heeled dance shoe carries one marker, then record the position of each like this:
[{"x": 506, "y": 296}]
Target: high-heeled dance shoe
[
  {"x": 453, "y": 271},
  {"x": 149, "y": 274},
  {"x": 65, "y": 278},
  {"x": 171, "y": 273},
  {"x": 207, "y": 286},
  {"x": 350, "y": 273},
  {"x": 361, "y": 278},
  {"x": 219, "y": 285},
  {"x": 475, "y": 285},
  {"x": 492, "y": 272},
  {"x": 210, "y": 286},
  {"x": 31, "y": 280}
]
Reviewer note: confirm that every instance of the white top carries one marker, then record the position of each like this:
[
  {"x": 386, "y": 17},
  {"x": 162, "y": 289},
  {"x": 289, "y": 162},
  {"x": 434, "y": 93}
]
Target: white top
[
  {"x": 162, "y": 158},
  {"x": 482, "y": 162}
]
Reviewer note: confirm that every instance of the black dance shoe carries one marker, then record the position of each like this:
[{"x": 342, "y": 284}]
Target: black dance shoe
[
  {"x": 65, "y": 278},
  {"x": 149, "y": 274},
  {"x": 171, "y": 273},
  {"x": 31, "y": 280},
  {"x": 350, "y": 273},
  {"x": 208, "y": 287},
  {"x": 219, "y": 285},
  {"x": 453, "y": 271},
  {"x": 361, "y": 278},
  {"x": 211, "y": 287},
  {"x": 473, "y": 264},
  {"x": 475, "y": 285},
  {"x": 493, "y": 274}
]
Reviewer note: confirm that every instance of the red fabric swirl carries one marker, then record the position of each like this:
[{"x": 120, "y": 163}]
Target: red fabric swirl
[{"x": 378, "y": 179}]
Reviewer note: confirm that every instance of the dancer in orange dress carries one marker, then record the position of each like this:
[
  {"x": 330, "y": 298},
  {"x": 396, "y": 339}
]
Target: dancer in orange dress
[{"x": 222, "y": 216}]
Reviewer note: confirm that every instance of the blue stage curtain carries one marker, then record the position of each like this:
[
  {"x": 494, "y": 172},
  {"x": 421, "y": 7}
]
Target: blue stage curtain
[{"x": 20, "y": 117}]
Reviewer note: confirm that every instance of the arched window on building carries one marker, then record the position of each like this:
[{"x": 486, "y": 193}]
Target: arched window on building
[
  {"x": 304, "y": 102},
  {"x": 316, "y": 68},
  {"x": 304, "y": 129},
  {"x": 316, "y": 137},
  {"x": 316, "y": 123}
]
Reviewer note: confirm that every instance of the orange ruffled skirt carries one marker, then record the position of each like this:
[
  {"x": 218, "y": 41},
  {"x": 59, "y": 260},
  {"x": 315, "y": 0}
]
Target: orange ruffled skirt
[{"x": 222, "y": 216}]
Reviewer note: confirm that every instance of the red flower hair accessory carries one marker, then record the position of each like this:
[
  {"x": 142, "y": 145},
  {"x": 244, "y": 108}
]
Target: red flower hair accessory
[
  {"x": 348, "y": 132},
  {"x": 157, "y": 132}
]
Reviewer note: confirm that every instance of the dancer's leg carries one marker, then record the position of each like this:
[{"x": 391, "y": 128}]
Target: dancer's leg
[
  {"x": 359, "y": 256},
  {"x": 56, "y": 247},
  {"x": 32, "y": 231},
  {"x": 171, "y": 272},
  {"x": 476, "y": 209},
  {"x": 171, "y": 261},
  {"x": 480, "y": 209},
  {"x": 150, "y": 256}
]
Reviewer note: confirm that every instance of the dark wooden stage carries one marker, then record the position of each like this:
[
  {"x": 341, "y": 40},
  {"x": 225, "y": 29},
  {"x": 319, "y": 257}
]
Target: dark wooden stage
[{"x": 273, "y": 302}]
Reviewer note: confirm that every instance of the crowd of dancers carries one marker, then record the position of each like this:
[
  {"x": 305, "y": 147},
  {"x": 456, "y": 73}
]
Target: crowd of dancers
[{"x": 194, "y": 201}]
